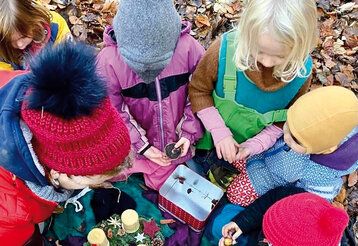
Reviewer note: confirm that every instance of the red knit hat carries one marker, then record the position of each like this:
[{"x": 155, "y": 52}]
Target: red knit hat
[
  {"x": 75, "y": 128},
  {"x": 83, "y": 146},
  {"x": 304, "y": 219}
]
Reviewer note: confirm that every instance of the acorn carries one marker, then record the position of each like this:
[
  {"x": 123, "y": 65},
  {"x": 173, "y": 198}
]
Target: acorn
[{"x": 228, "y": 241}]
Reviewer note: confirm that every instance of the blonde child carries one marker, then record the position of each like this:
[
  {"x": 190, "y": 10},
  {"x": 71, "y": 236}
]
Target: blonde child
[
  {"x": 249, "y": 76},
  {"x": 58, "y": 133},
  {"x": 147, "y": 61},
  {"x": 25, "y": 28}
]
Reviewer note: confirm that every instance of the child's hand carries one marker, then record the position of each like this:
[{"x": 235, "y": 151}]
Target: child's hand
[
  {"x": 227, "y": 149},
  {"x": 155, "y": 155},
  {"x": 184, "y": 143},
  {"x": 230, "y": 230},
  {"x": 243, "y": 154}
]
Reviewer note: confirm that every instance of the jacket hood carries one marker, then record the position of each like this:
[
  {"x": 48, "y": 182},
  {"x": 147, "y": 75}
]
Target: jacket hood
[{"x": 15, "y": 156}]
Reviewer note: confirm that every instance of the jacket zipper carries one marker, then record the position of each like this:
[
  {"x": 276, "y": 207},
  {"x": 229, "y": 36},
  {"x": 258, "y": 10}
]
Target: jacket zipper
[{"x": 159, "y": 97}]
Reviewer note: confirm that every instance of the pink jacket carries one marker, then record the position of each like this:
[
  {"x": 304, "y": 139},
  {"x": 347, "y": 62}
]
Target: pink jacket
[{"x": 158, "y": 113}]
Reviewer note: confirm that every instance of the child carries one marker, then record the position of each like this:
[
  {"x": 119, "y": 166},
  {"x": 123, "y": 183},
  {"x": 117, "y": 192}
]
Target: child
[
  {"x": 25, "y": 27},
  {"x": 270, "y": 49},
  {"x": 58, "y": 133},
  {"x": 301, "y": 219},
  {"x": 147, "y": 62},
  {"x": 317, "y": 149}
]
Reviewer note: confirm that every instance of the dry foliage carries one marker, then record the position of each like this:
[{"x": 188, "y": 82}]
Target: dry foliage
[{"x": 335, "y": 58}]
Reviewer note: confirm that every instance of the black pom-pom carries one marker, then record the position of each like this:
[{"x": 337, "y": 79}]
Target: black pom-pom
[{"x": 64, "y": 81}]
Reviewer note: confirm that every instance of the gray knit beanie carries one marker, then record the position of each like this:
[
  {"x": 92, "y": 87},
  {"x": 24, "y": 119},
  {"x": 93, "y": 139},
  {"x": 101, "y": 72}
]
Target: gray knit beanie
[{"x": 147, "y": 32}]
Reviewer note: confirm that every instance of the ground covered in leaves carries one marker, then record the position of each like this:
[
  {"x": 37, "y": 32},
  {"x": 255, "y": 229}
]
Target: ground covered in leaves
[{"x": 335, "y": 57}]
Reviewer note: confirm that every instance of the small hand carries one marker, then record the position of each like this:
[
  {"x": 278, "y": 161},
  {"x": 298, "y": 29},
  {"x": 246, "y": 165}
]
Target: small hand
[
  {"x": 227, "y": 149},
  {"x": 155, "y": 155},
  {"x": 183, "y": 143},
  {"x": 243, "y": 154},
  {"x": 227, "y": 231}
]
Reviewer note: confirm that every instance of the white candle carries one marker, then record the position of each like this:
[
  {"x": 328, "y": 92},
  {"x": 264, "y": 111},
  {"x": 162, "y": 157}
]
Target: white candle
[
  {"x": 97, "y": 237},
  {"x": 130, "y": 220}
]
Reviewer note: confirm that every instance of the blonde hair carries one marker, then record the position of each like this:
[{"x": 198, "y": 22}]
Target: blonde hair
[
  {"x": 292, "y": 22},
  {"x": 26, "y": 17}
]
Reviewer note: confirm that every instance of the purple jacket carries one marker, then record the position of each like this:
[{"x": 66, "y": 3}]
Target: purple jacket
[{"x": 158, "y": 113}]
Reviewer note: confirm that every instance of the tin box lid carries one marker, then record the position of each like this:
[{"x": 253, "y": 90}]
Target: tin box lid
[{"x": 191, "y": 192}]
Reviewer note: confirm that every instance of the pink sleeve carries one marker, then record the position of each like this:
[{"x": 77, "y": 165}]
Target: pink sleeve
[
  {"x": 263, "y": 140},
  {"x": 213, "y": 122},
  {"x": 105, "y": 69}
]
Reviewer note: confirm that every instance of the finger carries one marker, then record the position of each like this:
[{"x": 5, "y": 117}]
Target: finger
[
  {"x": 225, "y": 231},
  {"x": 236, "y": 235},
  {"x": 221, "y": 242},
  {"x": 185, "y": 148},
  {"x": 179, "y": 143},
  {"x": 156, "y": 155},
  {"x": 224, "y": 152},
  {"x": 166, "y": 161},
  {"x": 232, "y": 152},
  {"x": 227, "y": 153},
  {"x": 218, "y": 152}
]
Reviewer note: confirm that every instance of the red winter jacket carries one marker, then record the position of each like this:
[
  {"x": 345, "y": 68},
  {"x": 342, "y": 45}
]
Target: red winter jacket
[{"x": 20, "y": 210}]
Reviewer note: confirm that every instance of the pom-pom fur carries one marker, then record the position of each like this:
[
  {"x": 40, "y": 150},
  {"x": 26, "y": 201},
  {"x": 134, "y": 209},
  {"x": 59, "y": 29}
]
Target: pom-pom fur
[{"x": 64, "y": 81}]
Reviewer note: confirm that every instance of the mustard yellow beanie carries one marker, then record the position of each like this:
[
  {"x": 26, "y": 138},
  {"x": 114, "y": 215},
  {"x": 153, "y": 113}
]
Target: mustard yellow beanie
[{"x": 321, "y": 119}]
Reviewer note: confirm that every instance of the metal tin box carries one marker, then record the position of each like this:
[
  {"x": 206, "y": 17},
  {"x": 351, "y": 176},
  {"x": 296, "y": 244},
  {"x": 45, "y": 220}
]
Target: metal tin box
[{"x": 189, "y": 197}]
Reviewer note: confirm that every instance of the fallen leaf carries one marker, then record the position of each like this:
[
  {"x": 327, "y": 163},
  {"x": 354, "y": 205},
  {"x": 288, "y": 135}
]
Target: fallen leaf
[
  {"x": 202, "y": 20},
  {"x": 326, "y": 28},
  {"x": 341, "y": 197},
  {"x": 346, "y": 7},
  {"x": 190, "y": 12},
  {"x": 337, "y": 47},
  {"x": 329, "y": 63},
  {"x": 74, "y": 20},
  {"x": 342, "y": 78},
  {"x": 351, "y": 35},
  {"x": 352, "y": 179}
]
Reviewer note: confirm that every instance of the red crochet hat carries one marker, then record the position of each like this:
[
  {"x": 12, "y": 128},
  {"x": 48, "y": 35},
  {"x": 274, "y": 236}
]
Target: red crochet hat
[
  {"x": 75, "y": 128},
  {"x": 304, "y": 219}
]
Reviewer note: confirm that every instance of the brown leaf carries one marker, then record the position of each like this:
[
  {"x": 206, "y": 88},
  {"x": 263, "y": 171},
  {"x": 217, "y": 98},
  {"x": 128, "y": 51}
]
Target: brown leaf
[
  {"x": 74, "y": 20},
  {"x": 110, "y": 6},
  {"x": 202, "y": 20},
  {"x": 190, "y": 12},
  {"x": 342, "y": 78},
  {"x": 326, "y": 28},
  {"x": 337, "y": 47},
  {"x": 329, "y": 63},
  {"x": 328, "y": 46},
  {"x": 341, "y": 197},
  {"x": 351, "y": 35},
  {"x": 347, "y": 71},
  {"x": 352, "y": 179}
]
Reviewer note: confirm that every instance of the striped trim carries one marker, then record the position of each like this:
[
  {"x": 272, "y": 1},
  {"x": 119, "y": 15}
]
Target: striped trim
[{"x": 167, "y": 85}]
